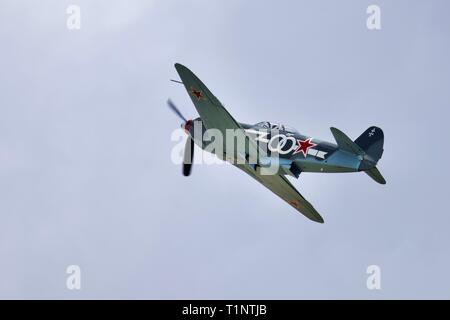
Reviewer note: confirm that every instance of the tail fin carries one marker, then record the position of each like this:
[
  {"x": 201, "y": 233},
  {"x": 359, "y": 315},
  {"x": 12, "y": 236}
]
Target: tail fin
[
  {"x": 369, "y": 145},
  {"x": 371, "y": 142}
]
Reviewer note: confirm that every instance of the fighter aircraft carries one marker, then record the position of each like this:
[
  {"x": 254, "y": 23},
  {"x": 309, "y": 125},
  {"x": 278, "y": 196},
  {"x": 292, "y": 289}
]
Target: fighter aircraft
[{"x": 292, "y": 151}]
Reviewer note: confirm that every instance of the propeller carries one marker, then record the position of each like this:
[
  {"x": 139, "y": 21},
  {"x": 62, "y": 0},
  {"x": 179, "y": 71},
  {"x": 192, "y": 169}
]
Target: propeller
[
  {"x": 175, "y": 110},
  {"x": 188, "y": 155}
]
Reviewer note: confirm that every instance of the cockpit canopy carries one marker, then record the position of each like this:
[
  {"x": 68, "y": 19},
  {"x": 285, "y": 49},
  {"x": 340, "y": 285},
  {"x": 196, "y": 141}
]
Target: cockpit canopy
[{"x": 275, "y": 126}]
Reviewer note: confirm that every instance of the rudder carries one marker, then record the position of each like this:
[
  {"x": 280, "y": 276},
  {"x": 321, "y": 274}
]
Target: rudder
[{"x": 372, "y": 141}]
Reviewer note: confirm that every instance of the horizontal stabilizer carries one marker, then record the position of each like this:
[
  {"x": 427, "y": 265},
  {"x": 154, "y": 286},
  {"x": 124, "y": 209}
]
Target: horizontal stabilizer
[
  {"x": 345, "y": 143},
  {"x": 376, "y": 175}
]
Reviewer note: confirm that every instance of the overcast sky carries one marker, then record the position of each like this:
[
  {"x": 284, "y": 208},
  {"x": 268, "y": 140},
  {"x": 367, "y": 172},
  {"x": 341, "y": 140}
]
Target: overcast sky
[{"x": 86, "y": 176}]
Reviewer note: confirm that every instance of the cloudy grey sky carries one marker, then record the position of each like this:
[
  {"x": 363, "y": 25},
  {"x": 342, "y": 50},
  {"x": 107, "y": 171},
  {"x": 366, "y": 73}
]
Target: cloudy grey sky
[{"x": 85, "y": 170}]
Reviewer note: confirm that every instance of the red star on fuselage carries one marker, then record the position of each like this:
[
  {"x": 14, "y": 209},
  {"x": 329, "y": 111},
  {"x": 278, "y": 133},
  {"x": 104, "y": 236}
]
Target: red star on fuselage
[
  {"x": 197, "y": 93},
  {"x": 304, "y": 145}
]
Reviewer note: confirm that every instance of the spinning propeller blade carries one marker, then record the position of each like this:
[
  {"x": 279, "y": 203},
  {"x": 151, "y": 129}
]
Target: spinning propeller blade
[
  {"x": 188, "y": 157},
  {"x": 175, "y": 110}
]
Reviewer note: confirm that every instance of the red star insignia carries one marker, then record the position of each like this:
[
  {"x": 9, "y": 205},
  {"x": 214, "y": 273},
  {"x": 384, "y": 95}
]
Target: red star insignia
[
  {"x": 303, "y": 146},
  {"x": 197, "y": 93},
  {"x": 294, "y": 203}
]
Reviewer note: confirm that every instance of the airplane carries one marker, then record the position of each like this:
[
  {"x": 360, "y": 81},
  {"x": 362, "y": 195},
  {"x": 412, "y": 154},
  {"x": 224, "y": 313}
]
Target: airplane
[{"x": 292, "y": 151}]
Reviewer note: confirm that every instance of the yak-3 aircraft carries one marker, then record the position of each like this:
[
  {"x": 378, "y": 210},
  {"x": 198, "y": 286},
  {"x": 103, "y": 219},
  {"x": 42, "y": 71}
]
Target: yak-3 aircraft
[{"x": 296, "y": 153}]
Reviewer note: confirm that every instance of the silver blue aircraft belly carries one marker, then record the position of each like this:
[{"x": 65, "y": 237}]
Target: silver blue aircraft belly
[{"x": 291, "y": 151}]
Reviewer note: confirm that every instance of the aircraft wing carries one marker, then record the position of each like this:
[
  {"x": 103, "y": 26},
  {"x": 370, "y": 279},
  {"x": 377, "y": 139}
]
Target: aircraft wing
[
  {"x": 212, "y": 112},
  {"x": 286, "y": 191}
]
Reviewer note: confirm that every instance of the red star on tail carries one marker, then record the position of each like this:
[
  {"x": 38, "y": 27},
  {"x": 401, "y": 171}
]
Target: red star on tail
[{"x": 304, "y": 145}]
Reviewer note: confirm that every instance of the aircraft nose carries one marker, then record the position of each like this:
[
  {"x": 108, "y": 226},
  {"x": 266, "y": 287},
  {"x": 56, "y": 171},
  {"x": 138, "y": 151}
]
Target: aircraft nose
[{"x": 187, "y": 126}]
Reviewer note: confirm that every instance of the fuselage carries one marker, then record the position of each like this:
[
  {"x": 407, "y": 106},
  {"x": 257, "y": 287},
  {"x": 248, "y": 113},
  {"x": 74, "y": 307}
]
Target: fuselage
[{"x": 289, "y": 146}]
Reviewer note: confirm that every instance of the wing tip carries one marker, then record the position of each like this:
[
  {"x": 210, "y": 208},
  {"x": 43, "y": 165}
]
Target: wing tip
[
  {"x": 318, "y": 219},
  {"x": 179, "y": 67},
  {"x": 312, "y": 215},
  {"x": 186, "y": 74}
]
